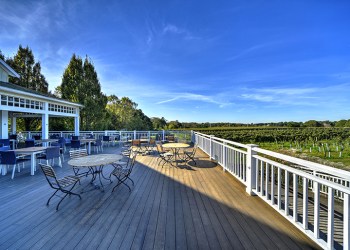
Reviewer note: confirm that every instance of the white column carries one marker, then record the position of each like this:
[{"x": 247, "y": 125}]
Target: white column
[
  {"x": 4, "y": 131},
  {"x": 45, "y": 122},
  {"x": 77, "y": 122},
  {"x": 13, "y": 124}
]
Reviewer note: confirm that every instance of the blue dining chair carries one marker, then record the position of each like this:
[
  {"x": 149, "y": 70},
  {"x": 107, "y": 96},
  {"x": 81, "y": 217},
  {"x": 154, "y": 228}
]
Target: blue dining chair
[
  {"x": 51, "y": 153},
  {"x": 9, "y": 158},
  {"x": 76, "y": 144},
  {"x": 29, "y": 143}
]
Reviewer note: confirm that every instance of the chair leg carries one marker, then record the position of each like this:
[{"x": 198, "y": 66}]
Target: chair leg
[
  {"x": 13, "y": 171},
  {"x": 121, "y": 181}
]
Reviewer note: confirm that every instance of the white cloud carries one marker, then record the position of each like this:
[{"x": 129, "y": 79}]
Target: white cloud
[
  {"x": 196, "y": 97},
  {"x": 173, "y": 29}
]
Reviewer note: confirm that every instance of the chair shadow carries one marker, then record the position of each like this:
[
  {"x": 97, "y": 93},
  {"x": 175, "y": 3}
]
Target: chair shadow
[{"x": 202, "y": 164}]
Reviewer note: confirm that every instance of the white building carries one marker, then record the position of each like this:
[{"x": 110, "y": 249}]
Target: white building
[{"x": 17, "y": 101}]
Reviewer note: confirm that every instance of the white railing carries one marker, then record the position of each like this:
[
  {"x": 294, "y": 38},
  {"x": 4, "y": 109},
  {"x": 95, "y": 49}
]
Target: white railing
[
  {"x": 284, "y": 182},
  {"x": 122, "y": 134}
]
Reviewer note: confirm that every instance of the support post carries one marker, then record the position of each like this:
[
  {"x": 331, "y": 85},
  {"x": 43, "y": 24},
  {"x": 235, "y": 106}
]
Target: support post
[
  {"x": 77, "y": 122},
  {"x": 45, "y": 122},
  {"x": 251, "y": 169},
  {"x": 4, "y": 131},
  {"x": 163, "y": 139},
  {"x": 13, "y": 125},
  {"x": 135, "y": 135}
]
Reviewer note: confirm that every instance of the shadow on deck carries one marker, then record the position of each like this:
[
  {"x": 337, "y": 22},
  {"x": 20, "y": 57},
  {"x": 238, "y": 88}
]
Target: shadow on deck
[{"x": 190, "y": 207}]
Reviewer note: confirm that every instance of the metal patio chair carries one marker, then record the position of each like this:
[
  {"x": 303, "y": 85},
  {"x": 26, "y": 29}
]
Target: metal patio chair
[
  {"x": 75, "y": 154},
  {"x": 122, "y": 171},
  {"x": 189, "y": 155},
  {"x": 64, "y": 185},
  {"x": 164, "y": 156}
]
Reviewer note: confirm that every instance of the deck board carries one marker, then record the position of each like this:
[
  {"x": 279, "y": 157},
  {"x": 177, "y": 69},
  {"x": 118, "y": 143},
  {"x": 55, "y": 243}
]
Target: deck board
[{"x": 189, "y": 207}]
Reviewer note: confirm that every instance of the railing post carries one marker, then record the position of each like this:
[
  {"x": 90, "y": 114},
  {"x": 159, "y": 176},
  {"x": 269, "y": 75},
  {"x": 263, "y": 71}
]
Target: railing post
[
  {"x": 163, "y": 136},
  {"x": 149, "y": 135},
  {"x": 224, "y": 156},
  {"x": 210, "y": 146},
  {"x": 251, "y": 169},
  {"x": 346, "y": 230},
  {"x": 135, "y": 135},
  {"x": 106, "y": 132}
]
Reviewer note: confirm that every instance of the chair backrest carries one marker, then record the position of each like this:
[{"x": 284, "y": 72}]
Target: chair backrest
[
  {"x": 37, "y": 137},
  {"x": 160, "y": 148},
  {"x": 152, "y": 141},
  {"x": 13, "y": 137},
  {"x": 57, "y": 144},
  {"x": 194, "y": 151},
  {"x": 52, "y": 152},
  {"x": 105, "y": 138},
  {"x": 132, "y": 161},
  {"x": 170, "y": 138},
  {"x": 29, "y": 143},
  {"x": 77, "y": 153},
  {"x": 136, "y": 143},
  {"x": 98, "y": 142},
  {"x": 61, "y": 140},
  {"x": 75, "y": 143},
  {"x": 8, "y": 157},
  {"x": 75, "y": 137},
  {"x": 5, "y": 142},
  {"x": 50, "y": 175}
]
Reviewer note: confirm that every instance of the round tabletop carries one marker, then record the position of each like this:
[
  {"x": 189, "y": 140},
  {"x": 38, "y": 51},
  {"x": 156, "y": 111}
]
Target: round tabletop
[
  {"x": 175, "y": 145},
  {"x": 94, "y": 160}
]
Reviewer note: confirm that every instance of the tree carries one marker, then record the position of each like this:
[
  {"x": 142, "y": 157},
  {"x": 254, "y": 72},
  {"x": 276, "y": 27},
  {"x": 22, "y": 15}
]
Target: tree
[
  {"x": 312, "y": 123},
  {"x": 158, "y": 123},
  {"x": 30, "y": 77},
  {"x": 29, "y": 70},
  {"x": 2, "y": 55},
  {"x": 80, "y": 84},
  {"x": 174, "y": 125},
  {"x": 123, "y": 114}
]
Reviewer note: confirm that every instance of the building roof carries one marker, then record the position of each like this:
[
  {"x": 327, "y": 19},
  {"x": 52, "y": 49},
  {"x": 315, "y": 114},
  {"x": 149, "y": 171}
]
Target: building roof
[
  {"x": 8, "y": 69},
  {"x": 10, "y": 87}
]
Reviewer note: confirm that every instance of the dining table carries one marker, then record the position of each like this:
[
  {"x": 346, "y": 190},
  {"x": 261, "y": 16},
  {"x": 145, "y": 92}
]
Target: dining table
[
  {"x": 46, "y": 142},
  {"x": 89, "y": 142},
  {"x": 32, "y": 152},
  {"x": 175, "y": 147},
  {"x": 95, "y": 165}
]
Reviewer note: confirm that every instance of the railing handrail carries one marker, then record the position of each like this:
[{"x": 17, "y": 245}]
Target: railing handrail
[
  {"x": 310, "y": 165},
  {"x": 305, "y": 174}
]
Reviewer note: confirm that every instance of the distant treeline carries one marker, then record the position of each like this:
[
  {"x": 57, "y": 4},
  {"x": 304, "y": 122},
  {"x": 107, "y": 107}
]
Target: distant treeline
[{"x": 228, "y": 125}]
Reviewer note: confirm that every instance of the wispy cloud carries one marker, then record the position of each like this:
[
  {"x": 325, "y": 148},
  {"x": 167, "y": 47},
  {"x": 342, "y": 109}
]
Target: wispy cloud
[
  {"x": 289, "y": 96},
  {"x": 196, "y": 97},
  {"x": 173, "y": 29}
]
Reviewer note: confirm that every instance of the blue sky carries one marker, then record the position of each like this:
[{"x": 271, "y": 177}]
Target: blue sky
[{"x": 229, "y": 61}]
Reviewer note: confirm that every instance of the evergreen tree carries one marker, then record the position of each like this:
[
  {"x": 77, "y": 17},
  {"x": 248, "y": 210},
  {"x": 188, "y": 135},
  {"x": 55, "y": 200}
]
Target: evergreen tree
[
  {"x": 29, "y": 70},
  {"x": 30, "y": 77},
  {"x": 80, "y": 84},
  {"x": 2, "y": 56}
]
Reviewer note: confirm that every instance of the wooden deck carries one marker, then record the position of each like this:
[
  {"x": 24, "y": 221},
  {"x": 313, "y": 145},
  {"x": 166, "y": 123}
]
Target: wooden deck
[{"x": 190, "y": 207}]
